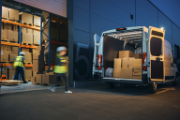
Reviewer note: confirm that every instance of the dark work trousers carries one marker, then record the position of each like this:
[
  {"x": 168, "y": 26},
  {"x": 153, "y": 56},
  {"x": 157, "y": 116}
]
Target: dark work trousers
[
  {"x": 59, "y": 79},
  {"x": 19, "y": 70}
]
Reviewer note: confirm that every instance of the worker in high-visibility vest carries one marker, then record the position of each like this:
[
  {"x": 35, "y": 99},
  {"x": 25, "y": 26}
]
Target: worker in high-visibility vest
[
  {"x": 60, "y": 68},
  {"x": 19, "y": 65}
]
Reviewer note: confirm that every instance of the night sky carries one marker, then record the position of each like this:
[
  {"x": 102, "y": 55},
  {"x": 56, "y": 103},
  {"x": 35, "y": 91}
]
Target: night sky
[{"x": 171, "y": 8}]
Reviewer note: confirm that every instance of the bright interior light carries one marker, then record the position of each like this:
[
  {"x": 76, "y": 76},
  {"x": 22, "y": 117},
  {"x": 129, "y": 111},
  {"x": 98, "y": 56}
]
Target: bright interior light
[{"x": 162, "y": 28}]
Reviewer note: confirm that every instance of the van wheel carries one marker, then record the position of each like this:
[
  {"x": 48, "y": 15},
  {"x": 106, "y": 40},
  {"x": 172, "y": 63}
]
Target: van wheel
[
  {"x": 153, "y": 87},
  {"x": 111, "y": 85},
  {"x": 175, "y": 81}
]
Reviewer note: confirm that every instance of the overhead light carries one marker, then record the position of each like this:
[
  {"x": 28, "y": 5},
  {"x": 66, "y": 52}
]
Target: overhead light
[{"x": 162, "y": 28}]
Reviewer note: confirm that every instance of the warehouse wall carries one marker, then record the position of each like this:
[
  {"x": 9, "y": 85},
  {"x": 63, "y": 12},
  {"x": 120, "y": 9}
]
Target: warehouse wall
[{"x": 95, "y": 16}]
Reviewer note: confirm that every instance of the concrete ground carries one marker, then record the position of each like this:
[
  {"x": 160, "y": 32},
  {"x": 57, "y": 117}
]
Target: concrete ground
[{"x": 93, "y": 103}]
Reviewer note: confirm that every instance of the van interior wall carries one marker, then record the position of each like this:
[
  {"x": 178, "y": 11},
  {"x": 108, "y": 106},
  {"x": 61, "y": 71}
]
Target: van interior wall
[{"x": 111, "y": 48}]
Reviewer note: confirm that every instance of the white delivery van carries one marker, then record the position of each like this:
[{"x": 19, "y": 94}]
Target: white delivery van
[{"x": 154, "y": 52}]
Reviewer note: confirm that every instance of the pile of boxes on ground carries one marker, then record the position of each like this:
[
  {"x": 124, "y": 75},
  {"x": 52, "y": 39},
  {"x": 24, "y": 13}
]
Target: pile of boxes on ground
[
  {"x": 9, "y": 32},
  {"x": 128, "y": 65},
  {"x": 39, "y": 74}
]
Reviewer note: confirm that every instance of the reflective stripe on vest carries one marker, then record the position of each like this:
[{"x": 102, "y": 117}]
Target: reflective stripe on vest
[
  {"x": 62, "y": 68},
  {"x": 18, "y": 62}
]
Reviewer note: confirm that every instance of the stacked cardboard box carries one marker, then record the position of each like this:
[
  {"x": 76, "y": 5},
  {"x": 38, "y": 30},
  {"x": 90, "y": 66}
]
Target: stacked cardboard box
[
  {"x": 12, "y": 36},
  {"x": 5, "y": 53},
  {"x": 117, "y": 68},
  {"x": 39, "y": 75},
  {"x": 28, "y": 55},
  {"x": 14, "y": 53},
  {"x": 138, "y": 56},
  {"x": 27, "y": 37},
  {"x": 37, "y": 20},
  {"x": 137, "y": 70},
  {"x": 131, "y": 67},
  {"x": 4, "y": 34},
  {"x": 26, "y": 18},
  {"x": 4, "y": 12},
  {"x": 36, "y": 37},
  {"x": 14, "y": 14},
  {"x": 28, "y": 74}
]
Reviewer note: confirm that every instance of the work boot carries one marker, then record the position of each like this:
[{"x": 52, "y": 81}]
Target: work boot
[{"x": 69, "y": 92}]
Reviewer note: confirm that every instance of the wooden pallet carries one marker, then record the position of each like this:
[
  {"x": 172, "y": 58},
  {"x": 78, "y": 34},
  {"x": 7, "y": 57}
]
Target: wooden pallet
[
  {"x": 10, "y": 82},
  {"x": 9, "y": 41},
  {"x": 28, "y": 63},
  {"x": 36, "y": 44},
  {"x": 27, "y": 24},
  {"x": 37, "y": 26},
  {"x": 26, "y": 43}
]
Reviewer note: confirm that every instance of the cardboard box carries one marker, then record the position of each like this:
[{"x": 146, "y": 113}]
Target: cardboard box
[
  {"x": 34, "y": 51},
  {"x": 137, "y": 76},
  {"x": 4, "y": 34},
  {"x": 128, "y": 62},
  {"x": 39, "y": 78},
  {"x": 5, "y": 56},
  {"x": 27, "y": 38},
  {"x": 12, "y": 36},
  {"x": 4, "y": 12},
  {"x": 137, "y": 56},
  {"x": 24, "y": 30},
  {"x": 36, "y": 39},
  {"x": 49, "y": 78},
  {"x": 7, "y": 26},
  {"x": 6, "y": 48},
  {"x": 28, "y": 58},
  {"x": 38, "y": 57},
  {"x": 126, "y": 73},
  {"x": 33, "y": 80},
  {"x": 38, "y": 66},
  {"x": 137, "y": 62},
  {"x": 25, "y": 50},
  {"x": 124, "y": 54},
  {"x": 30, "y": 31},
  {"x": 12, "y": 56},
  {"x": 14, "y": 14},
  {"x": 34, "y": 74},
  {"x": 117, "y": 63},
  {"x": 117, "y": 73},
  {"x": 15, "y": 28},
  {"x": 27, "y": 18},
  {"x": 28, "y": 73},
  {"x": 137, "y": 69},
  {"x": 15, "y": 50},
  {"x": 37, "y": 20}
]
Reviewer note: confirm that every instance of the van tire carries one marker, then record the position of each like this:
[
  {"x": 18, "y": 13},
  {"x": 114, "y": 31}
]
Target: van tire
[
  {"x": 111, "y": 85},
  {"x": 153, "y": 87},
  {"x": 175, "y": 80}
]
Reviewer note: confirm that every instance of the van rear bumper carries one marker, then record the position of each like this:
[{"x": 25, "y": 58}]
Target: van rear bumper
[{"x": 127, "y": 81}]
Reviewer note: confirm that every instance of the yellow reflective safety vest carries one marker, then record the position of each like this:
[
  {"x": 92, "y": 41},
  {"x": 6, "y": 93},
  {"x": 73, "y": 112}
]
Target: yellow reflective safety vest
[
  {"x": 60, "y": 68},
  {"x": 18, "y": 62}
]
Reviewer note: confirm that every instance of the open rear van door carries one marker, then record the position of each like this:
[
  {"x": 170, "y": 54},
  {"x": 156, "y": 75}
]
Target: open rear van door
[
  {"x": 155, "y": 54},
  {"x": 97, "y": 59}
]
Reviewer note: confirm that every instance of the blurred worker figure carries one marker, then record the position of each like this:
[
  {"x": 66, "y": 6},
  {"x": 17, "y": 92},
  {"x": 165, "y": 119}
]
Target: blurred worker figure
[
  {"x": 60, "y": 68},
  {"x": 19, "y": 65}
]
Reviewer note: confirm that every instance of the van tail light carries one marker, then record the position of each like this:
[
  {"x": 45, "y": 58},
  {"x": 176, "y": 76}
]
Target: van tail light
[
  {"x": 99, "y": 61},
  {"x": 145, "y": 61},
  {"x": 118, "y": 29}
]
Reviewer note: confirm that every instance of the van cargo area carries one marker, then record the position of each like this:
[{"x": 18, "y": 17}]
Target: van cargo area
[{"x": 122, "y": 56}]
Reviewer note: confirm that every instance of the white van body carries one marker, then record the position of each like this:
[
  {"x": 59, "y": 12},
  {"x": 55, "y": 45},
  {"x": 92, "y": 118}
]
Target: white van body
[{"x": 158, "y": 51}]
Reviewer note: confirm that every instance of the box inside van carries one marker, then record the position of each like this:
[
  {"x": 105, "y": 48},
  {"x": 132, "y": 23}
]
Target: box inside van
[{"x": 122, "y": 56}]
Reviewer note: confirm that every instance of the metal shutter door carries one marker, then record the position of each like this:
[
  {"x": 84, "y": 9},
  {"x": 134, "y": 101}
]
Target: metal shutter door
[{"x": 58, "y": 7}]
